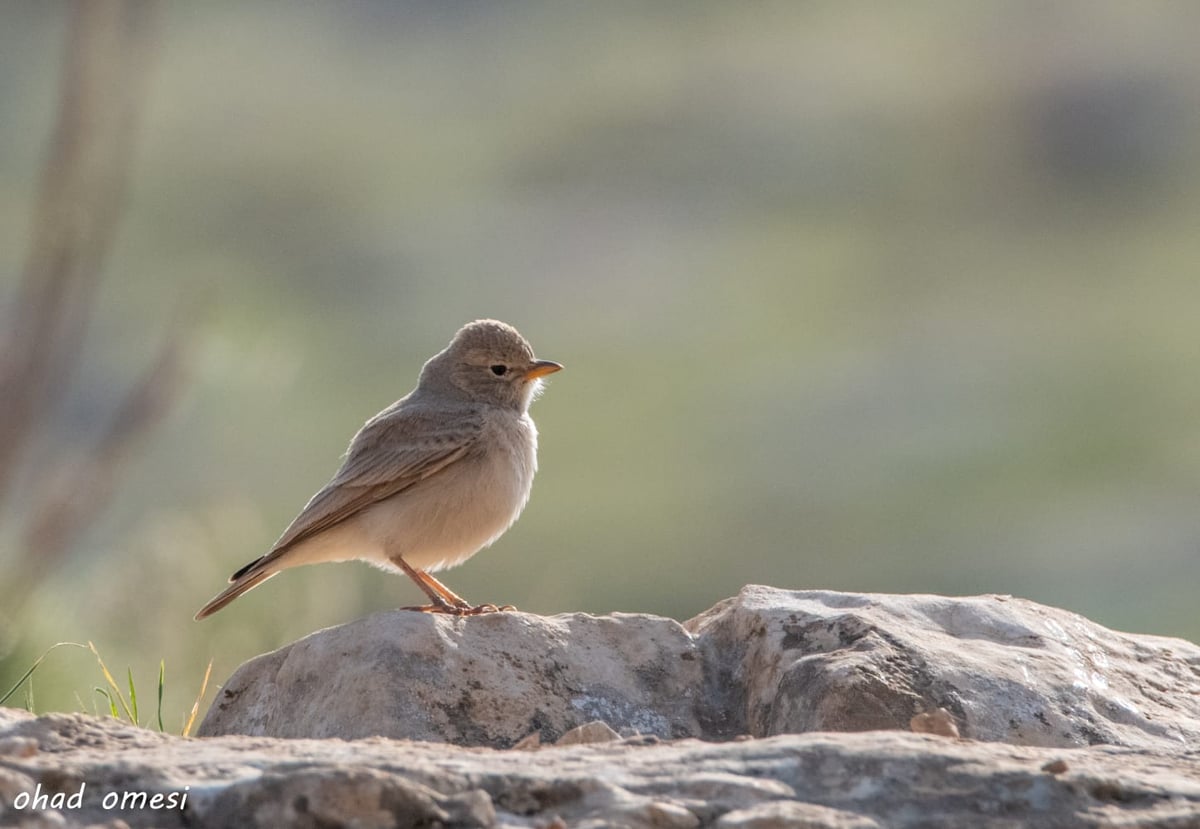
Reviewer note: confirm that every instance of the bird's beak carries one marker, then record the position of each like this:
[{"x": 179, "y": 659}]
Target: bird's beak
[{"x": 541, "y": 368}]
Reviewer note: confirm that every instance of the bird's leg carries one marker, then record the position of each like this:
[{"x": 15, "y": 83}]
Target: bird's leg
[
  {"x": 442, "y": 598},
  {"x": 465, "y": 608},
  {"x": 441, "y": 602},
  {"x": 442, "y": 590}
]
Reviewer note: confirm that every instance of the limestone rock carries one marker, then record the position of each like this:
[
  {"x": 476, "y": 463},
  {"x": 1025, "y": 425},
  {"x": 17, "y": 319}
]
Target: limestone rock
[
  {"x": 1005, "y": 669},
  {"x": 766, "y": 662},
  {"x": 1030, "y": 689},
  {"x": 828, "y": 780},
  {"x": 484, "y": 680}
]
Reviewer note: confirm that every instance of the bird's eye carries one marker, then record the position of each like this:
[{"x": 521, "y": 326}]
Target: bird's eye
[{"x": 499, "y": 370}]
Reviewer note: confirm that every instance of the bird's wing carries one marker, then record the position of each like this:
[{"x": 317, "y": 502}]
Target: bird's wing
[{"x": 393, "y": 451}]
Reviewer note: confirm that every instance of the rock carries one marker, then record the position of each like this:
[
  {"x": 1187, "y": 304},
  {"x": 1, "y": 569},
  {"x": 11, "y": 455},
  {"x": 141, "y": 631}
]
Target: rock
[
  {"x": 940, "y": 722},
  {"x": 788, "y": 814},
  {"x": 484, "y": 680},
  {"x": 1006, "y": 669},
  {"x": 764, "y": 663},
  {"x": 592, "y": 732},
  {"x": 1010, "y": 699},
  {"x": 530, "y": 742},
  {"x": 860, "y": 780}
]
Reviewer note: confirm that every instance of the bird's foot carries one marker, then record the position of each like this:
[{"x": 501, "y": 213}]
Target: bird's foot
[
  {"x": 488, "y": 608},
  {"x": 456, "y": 610}
]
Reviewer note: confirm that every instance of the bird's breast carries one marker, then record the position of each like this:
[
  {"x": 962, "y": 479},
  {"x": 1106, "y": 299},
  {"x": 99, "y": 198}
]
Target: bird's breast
[
  {"x": 448, "y": 517},
  {"x": 505, "y": 461}
]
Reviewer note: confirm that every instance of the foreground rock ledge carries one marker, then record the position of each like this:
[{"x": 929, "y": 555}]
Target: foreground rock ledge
[
  {"x": 876, "y": 779},
  {"x": 764, "y": 663}
]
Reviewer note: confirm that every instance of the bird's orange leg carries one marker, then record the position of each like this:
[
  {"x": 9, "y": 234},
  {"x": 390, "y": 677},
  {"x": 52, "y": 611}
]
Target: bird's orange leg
[{"x": 444, "y": 600}]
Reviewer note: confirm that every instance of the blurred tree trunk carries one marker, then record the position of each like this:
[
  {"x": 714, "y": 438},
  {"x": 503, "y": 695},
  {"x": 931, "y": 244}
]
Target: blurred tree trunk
[{"x": 83, "y": 184}]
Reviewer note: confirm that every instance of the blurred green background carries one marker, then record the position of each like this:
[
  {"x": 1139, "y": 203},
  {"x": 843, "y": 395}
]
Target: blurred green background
[{"x": 860, "y": 296}]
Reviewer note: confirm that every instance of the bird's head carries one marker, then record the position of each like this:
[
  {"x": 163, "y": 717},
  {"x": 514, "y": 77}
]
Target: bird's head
[{"x": 488, "y": 361}]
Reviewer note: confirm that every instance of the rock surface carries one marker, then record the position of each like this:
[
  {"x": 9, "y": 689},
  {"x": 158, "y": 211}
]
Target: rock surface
[
  {"x": 484, "y": 680},
  {"x": 1007, "y": 670},
  {"x": 861, "y": 780},
  {"x": 767, "y": 662},
  {"x": 1059, "y": 722}
]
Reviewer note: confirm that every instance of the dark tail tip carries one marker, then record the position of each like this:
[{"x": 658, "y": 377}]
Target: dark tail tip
[
  {"x": 232, "y": 592},
  {"x": 245, "y": 569}
]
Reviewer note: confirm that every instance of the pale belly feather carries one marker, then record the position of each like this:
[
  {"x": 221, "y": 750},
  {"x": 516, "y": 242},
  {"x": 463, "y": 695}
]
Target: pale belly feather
[{"x": 446, "y": 519}]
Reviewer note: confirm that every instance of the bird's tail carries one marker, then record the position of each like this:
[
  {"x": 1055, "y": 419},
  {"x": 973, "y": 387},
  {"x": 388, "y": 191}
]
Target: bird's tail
[{"x": 249, "y": 577}]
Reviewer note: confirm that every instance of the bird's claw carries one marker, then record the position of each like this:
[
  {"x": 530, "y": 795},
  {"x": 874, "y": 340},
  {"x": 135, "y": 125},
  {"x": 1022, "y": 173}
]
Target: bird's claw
[{"x": 456, "y": 610}]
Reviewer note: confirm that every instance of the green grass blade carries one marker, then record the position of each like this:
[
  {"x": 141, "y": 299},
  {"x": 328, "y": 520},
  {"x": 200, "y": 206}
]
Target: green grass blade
[
  {"x": 112, "y": 706},
  {"x": 133, "y": 698},
  {"x": 34, "y": 667},
  {"x": 162, "y": 668},
  {"x": 116, "y": 696}
]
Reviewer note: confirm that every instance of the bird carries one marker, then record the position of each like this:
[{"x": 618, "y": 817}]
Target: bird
[{"x": 429, "y": 481}]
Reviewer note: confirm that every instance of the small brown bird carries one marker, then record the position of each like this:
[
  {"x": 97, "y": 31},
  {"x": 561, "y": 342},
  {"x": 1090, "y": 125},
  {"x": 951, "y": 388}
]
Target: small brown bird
[{"x": 432, "y": 479}]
